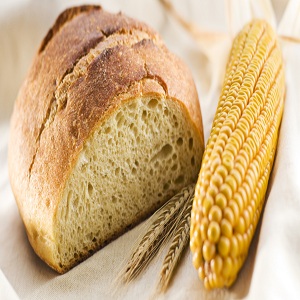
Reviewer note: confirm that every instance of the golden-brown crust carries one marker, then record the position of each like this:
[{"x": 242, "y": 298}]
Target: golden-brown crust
[
  {"x": 62, "y": 19},
  {"x": 46, "y": 139}
]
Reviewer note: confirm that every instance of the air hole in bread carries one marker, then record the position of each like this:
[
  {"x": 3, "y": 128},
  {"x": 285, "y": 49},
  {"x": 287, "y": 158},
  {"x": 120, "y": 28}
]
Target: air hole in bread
[
  {"x": 174, "y": 167},
  {"x": 118, "y": 116},
  {"x": 193, "y": 161},
  {"x": 90, "y": 189},
  {"x": 132, "y": 106},
  {"x": 113, "y": 199},
  {"x": 144, "y": 116},
  {"x": 111, "y": 162},
  {"x": 75, "y": 202},
  {"x": 131, "y": 126},
  {"x": 166, "y": 186},
  {"x": 34, "y": 233},
  {"x": 179, "y": 142},
  {"x": 117, "y": 171},
  {"x": 152, "y": 103},
  {"x": 179, "y": 179},
  {"x": 164, "y": 152},
  {"x": 120, "y": 120},
  {"x": 191, "y": 142}
]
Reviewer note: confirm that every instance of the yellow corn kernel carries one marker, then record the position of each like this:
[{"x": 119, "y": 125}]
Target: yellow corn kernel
[
  {"x": 203, "y": 229},
  {"x": 227, "y": 267},
  {"x": 213, "y": 232},
  {"x": 240, "y": 226},
  {"x": 197, "y": 259},
  {"x": 226, "y": 228},
  {"x": 234, "y": 250},
  {"x": 224, "y": 246},
  {"x": 228, "y": 215},
  {"x": 215, "y": 214},
  {"x": 208, "y": 250},
  {"x": 201, "y": 272},
  {"x": 239, "y": 155},
  {"x": 196, "y": 240},
  {"x": 207, "y": 204},
  {"x": 216, "y": 264},
  {"x": 221, "y": 201}
]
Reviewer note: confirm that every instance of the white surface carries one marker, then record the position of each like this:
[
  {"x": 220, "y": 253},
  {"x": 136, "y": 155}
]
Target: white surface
[
  {"x": 272, "y": 270},
  {"x": 6, "y": 290}
]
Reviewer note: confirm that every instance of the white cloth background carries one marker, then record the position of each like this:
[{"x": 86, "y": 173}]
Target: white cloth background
[{"x": 272, "y": 270}]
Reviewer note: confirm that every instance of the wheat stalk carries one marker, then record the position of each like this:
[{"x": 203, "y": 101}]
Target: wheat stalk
[
  {"x": 179, "y": 243},
  {"x": 159, "y": 231},
  {"x": 145, "y": 253}
]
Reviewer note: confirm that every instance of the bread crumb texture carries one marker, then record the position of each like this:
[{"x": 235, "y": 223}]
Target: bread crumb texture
[{"x": 140, "y": 157}]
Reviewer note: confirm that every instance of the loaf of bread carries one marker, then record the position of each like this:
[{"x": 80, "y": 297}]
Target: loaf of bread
[{"x": 106, "y": 128}]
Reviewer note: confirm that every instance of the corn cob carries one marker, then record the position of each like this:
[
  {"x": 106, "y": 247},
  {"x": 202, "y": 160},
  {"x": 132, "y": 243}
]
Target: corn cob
[{"x": 238, "y": 159}]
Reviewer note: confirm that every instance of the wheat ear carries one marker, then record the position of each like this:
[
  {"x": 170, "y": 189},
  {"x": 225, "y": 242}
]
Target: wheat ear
[
  {"x": 180, "y": 240},
  {"x": 158, "y": 232}
]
